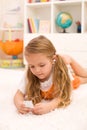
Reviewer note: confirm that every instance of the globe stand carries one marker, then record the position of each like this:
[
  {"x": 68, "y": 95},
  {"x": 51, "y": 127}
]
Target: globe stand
[{"x": 64, "y": 31}]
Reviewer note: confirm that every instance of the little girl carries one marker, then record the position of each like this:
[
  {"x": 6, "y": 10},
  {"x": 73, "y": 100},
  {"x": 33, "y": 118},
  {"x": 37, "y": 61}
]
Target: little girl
[{"x": 47, "y": 78}]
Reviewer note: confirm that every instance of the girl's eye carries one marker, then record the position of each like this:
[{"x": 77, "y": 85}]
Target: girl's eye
[
  {"x": 31, "y": 67},
  {"x": 42, "y": 65}
]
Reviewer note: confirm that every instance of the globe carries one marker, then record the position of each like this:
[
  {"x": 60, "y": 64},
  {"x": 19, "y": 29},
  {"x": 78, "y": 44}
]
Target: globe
[{"x": 64, "y": 20}]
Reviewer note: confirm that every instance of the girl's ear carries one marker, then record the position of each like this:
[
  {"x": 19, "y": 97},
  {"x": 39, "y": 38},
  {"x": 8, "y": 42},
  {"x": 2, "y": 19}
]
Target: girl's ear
[{"x": 54, "y": 59}]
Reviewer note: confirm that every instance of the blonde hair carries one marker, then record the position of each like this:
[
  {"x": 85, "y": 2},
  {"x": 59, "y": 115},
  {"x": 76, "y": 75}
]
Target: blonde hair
[{"x": 61, "y": 79}]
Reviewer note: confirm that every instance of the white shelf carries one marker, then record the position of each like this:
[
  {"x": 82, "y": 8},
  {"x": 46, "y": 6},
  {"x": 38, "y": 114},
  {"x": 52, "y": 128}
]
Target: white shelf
[
  {"x": 12, "y": 29},
  {"x": 38, "y": 4},
  {"x": 73, "y": 2}
]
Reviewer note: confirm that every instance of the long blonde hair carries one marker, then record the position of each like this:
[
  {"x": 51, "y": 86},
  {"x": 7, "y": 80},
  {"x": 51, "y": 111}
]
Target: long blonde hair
[{"x": 61, "y": 78}]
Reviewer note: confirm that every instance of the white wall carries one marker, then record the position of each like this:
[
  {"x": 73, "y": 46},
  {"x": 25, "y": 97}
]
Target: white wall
[
  {"x": 9, "y": 18},
  {"x": 8, "y": 5},
  {"x": 72, "y": 44}
]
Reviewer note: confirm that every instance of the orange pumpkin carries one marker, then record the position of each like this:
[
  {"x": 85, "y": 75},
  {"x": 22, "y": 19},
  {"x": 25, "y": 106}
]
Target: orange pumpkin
[{"x": 13, "y": 47}]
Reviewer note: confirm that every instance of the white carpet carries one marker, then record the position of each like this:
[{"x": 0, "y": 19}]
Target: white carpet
[{"x": 74, "y": 117}]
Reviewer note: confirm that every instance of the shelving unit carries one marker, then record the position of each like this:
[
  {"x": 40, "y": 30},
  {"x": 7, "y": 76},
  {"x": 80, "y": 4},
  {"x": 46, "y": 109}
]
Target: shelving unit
[
  {"x": 72, "y": 43},
  {"x": 49, "y": 11},
  {"x": 85, "y": 18}
]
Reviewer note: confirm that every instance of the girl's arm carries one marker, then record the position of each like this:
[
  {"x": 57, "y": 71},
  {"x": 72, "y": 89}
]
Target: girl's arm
[
  {"x": 18, "y": 98},
  {"x": 83, "y": 80},
  {"x": 45, "y": 107},
  {"x": 19, "y": 102},
  {"x": 77, "y": 68}
]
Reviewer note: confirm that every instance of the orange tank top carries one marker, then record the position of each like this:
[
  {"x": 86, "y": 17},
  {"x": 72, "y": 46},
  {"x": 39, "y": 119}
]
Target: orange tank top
[{"x": 49, "y": 93}]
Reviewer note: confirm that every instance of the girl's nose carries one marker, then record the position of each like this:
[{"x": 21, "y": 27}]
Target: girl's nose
[{"x": 37, "y": 69}]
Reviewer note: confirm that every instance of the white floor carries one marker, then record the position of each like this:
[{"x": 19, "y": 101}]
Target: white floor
[{"x": 74, "y": 117}]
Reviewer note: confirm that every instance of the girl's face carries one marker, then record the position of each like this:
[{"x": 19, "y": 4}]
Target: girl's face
[{"x": 40, "y": 65}]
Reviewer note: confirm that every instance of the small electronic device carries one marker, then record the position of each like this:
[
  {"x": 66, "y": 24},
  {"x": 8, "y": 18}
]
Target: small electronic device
[{"x": 28, "y": 104}]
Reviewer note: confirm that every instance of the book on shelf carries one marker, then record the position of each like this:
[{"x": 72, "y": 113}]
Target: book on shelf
[
  {"x": 44, "y": 26},
  {"x": 33, "y": 25},
  {"x": 30, "y": 1},
  {"x": 29, "y": 26},
  {"x": 44, "y": 0},
  {"x": 35, "y": 1}
]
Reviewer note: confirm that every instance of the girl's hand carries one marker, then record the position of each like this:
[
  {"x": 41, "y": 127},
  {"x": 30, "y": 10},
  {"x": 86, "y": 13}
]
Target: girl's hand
[
  {"x": 42, "y": 108},
  {"x": 19, "y": 103},
  {"x": 22, "y": 108}
]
